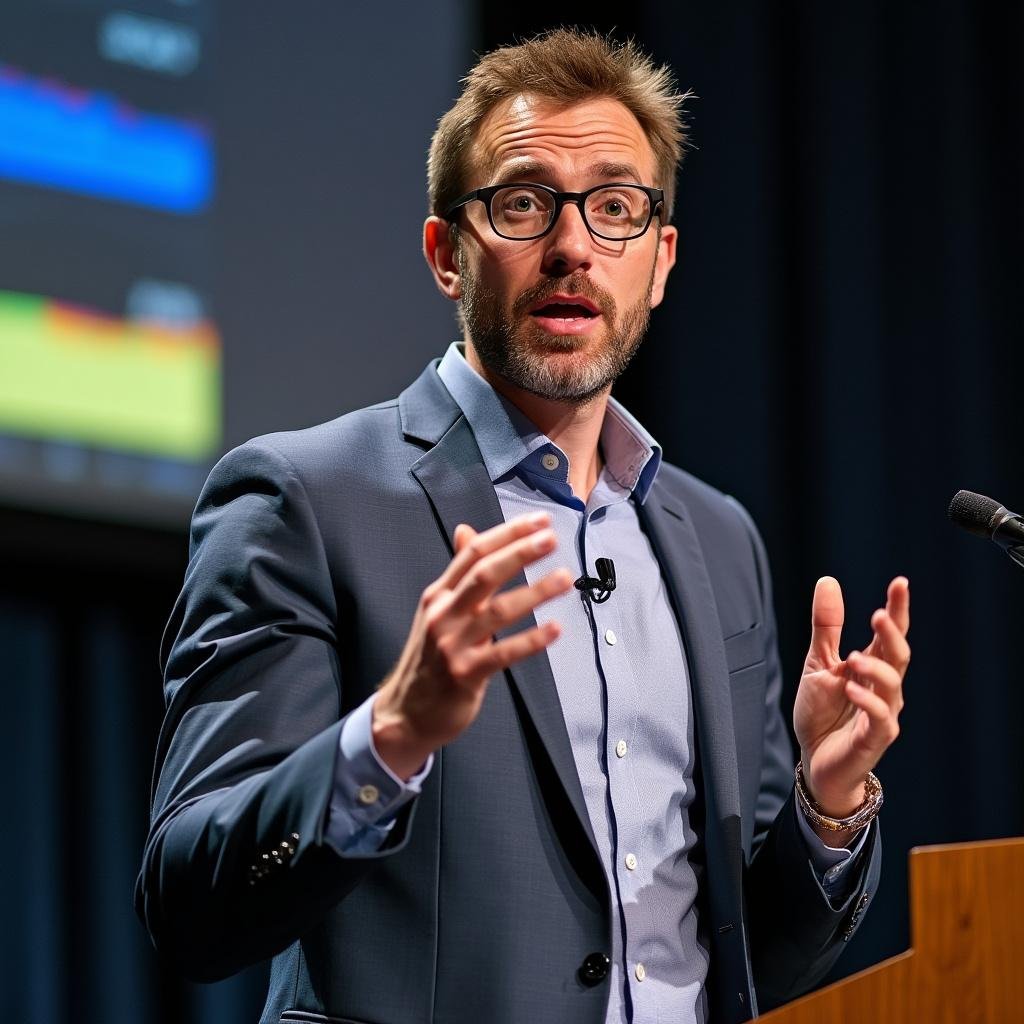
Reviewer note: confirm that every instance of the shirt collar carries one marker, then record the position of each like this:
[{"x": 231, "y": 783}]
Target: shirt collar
[{"x": 507, "y": 438}]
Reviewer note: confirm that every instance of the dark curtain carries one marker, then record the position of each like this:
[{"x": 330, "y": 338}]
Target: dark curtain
[
  {"x": 81, "y": 610},
  {"x": 841, "y": 352},
  {"x": 836, "y": 349},
  {"x": 839, "y": 348}
]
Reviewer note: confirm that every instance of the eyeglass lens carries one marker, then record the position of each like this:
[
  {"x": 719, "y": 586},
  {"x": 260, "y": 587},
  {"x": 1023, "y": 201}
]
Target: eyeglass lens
[{"x": 619, "y": 211}]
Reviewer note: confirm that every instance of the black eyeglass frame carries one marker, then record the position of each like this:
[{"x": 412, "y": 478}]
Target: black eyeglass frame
[{"x": 655, "y": 197}]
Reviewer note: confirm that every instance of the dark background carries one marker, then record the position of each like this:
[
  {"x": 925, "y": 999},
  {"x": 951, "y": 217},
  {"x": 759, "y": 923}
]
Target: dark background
[{"x": 839, "y": 348}]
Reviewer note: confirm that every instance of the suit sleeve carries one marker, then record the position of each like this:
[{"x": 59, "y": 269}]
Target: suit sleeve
[
  {"x": 236, "y": 865},
  {"x": 796, "y": 932}
]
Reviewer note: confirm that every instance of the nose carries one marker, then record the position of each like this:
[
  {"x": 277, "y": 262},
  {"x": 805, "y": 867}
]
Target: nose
[{"x": 569, "y": 244}]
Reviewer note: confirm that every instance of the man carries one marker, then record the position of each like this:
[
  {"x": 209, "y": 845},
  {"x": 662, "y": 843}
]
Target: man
[{"x": 404, "y": 754}]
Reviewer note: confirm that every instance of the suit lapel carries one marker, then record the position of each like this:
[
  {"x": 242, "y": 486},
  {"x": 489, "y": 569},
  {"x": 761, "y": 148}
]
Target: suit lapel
[
  {"x": 453, "y": 475},
  {"x": 672, "y": 534}
]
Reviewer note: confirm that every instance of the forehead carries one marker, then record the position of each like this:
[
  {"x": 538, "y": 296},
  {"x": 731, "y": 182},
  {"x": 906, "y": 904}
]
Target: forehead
[{"x": 572, "y": 139}]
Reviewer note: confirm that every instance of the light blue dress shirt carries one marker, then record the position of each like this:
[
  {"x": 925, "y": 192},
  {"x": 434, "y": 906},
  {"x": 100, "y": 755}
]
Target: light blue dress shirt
[{"x": 620, "y": 671}]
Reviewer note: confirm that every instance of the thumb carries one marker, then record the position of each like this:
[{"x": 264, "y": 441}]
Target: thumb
[
  {"x": 827, "y": 614},
  {"x": 464, "y": 533}
]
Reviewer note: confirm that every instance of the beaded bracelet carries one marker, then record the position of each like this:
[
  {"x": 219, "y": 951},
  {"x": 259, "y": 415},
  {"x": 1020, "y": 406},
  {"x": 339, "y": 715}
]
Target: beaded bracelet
[{"x": 860, "y": 817}]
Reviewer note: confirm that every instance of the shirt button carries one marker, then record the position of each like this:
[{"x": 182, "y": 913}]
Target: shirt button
[
  {"x": 640, "y": 972},
  {"x": 610, "y": 638},
  {"x": 621, "y": 748},
  {"x": 368, "y": 794},
  {"x": 832, "y": 874},
  {"x": 550, "y": 461},
  {"x": 631, "y": 861}
]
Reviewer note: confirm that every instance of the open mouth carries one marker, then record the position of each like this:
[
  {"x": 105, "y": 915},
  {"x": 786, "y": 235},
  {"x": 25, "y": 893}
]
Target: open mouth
[
  {"x": 564, "y": 311},
  {"x": 566, "y": 307}
]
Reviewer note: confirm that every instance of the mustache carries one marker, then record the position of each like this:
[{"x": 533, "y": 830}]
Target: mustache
[{"x": 571, "y": 284}]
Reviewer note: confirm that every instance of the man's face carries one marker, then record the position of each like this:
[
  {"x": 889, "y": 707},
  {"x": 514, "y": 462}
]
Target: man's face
[{"x": 558, "y": 316}]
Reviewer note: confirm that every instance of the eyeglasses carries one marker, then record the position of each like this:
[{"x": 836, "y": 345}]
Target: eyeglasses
[{"x": 617, "y": 212}]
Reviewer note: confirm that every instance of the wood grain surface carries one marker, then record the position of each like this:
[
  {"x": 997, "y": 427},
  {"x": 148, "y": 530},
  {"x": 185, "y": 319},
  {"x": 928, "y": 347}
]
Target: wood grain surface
[{"x": 966, "y": 962}]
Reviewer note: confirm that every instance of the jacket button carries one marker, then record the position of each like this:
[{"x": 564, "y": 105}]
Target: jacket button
[{"x": 594, "y": 969}]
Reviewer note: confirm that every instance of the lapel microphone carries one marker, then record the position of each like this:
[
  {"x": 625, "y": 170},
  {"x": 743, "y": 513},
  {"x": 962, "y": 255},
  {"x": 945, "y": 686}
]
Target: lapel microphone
[{"x": 600, "y": 589}]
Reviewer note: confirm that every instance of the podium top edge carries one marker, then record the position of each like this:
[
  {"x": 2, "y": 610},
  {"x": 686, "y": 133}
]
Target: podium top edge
[{"x": 1011, "y": 841}]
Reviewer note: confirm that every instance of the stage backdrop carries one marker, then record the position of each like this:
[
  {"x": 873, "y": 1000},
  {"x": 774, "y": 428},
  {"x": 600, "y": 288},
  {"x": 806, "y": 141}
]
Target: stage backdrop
[
  {"x": 241, "y": 255},
  {"x": 839, "y": 348}
]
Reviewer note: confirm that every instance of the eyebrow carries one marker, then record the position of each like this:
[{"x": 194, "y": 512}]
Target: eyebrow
[{"x": 535, "y": 170}]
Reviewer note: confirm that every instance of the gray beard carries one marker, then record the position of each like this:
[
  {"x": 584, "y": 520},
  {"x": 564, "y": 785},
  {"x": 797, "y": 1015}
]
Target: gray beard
[{"x": 514, "y": 349}]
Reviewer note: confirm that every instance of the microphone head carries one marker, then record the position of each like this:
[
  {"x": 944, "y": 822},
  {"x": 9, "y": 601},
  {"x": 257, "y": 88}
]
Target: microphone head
[{"x": 973, "y": 512}]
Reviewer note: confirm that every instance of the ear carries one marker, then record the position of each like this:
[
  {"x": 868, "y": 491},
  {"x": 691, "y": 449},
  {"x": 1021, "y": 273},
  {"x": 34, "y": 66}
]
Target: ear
[
  {"x": 440, "y": 256},
  {"x": 664, "y": 261}
]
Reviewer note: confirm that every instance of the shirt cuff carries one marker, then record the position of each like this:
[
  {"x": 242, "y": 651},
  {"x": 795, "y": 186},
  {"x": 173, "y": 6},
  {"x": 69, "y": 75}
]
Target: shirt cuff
[
  {"x": 367, "y": 794},
  {"x": 830, "y": 863}
]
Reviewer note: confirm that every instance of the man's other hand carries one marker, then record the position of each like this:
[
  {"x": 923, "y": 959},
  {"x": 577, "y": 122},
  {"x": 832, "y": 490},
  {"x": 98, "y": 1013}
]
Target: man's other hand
[
  {"x": 847, "y": 712},
  {"x": 436, "y": 689}
]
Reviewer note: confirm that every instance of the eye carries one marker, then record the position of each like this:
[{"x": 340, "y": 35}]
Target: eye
[
  {"x": 520, "y": 202},
  {"x": 617, "y": 210},
  {"x": 619, "y": 205}
]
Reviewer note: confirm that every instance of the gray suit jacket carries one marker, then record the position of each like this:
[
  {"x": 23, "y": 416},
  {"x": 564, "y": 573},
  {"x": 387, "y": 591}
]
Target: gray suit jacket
[{"x": 309, "y": 552}]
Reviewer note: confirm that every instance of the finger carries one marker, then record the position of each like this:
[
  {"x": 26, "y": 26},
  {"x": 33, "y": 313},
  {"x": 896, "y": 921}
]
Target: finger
[
  {"x": 497, "y": 568},
  {"x": 882, "y": 728},
  {"x": 496, "y": 657},
  {"x": 827, "y": 619},
  {"x": 464, "y": 533},
  {"x": 482, "y": 544},
  {"x": 897, "y": 603},
  {"x": 874, "y": 673},
  {"x": 509, "y": 607},
  {"x": 892, "y": 644}
]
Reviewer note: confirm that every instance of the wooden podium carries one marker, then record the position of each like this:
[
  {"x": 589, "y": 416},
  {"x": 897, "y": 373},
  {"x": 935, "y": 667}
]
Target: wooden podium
[{"x": 965, "y": 965}]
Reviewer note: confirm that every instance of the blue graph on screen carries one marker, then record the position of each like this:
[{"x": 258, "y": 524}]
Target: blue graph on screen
[{"x": 90, "y": 143}]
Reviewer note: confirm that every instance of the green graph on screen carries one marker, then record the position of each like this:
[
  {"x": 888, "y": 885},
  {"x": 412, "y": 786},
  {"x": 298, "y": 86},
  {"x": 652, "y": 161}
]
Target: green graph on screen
[{"x": 74, "y": 374}]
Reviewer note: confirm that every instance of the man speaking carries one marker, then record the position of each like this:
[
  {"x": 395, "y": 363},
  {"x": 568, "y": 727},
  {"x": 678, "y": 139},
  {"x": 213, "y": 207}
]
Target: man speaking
[{"x": 472, "y": 700}]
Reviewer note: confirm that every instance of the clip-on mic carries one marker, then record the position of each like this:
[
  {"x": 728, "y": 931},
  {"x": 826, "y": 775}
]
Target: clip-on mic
[{"x": 598, "y": 590}]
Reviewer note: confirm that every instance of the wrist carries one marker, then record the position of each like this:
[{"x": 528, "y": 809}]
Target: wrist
[
  {"x": 395, "y": 742},
  {"x": 837, "y": 800},
  {"x": 843, "y": 827},
  {"x": 838, "y": 803}
]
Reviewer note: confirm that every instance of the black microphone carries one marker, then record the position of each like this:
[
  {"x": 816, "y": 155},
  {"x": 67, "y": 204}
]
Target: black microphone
[
  {"x": 985, "y": 517},
  {"x": 599, "y": 590}
]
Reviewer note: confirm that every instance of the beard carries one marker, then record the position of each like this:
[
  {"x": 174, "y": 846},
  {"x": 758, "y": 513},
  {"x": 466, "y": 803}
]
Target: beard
[{"x": 512, "y": 346}]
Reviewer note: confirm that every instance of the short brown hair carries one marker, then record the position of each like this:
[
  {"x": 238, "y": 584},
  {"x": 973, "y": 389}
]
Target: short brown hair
[{"x": 565, "y": 65}]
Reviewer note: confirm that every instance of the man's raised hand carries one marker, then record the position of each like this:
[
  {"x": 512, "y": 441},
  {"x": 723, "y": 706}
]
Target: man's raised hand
[
  {"x": 436, "y": 689},
  {"x": 847, "y": 712}
]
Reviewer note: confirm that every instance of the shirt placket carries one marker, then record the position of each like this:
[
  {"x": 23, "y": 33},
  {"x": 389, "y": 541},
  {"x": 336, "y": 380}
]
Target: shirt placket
[
  {"x": 634, "y": 775},
  {"x": 630, "y": 856}
]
